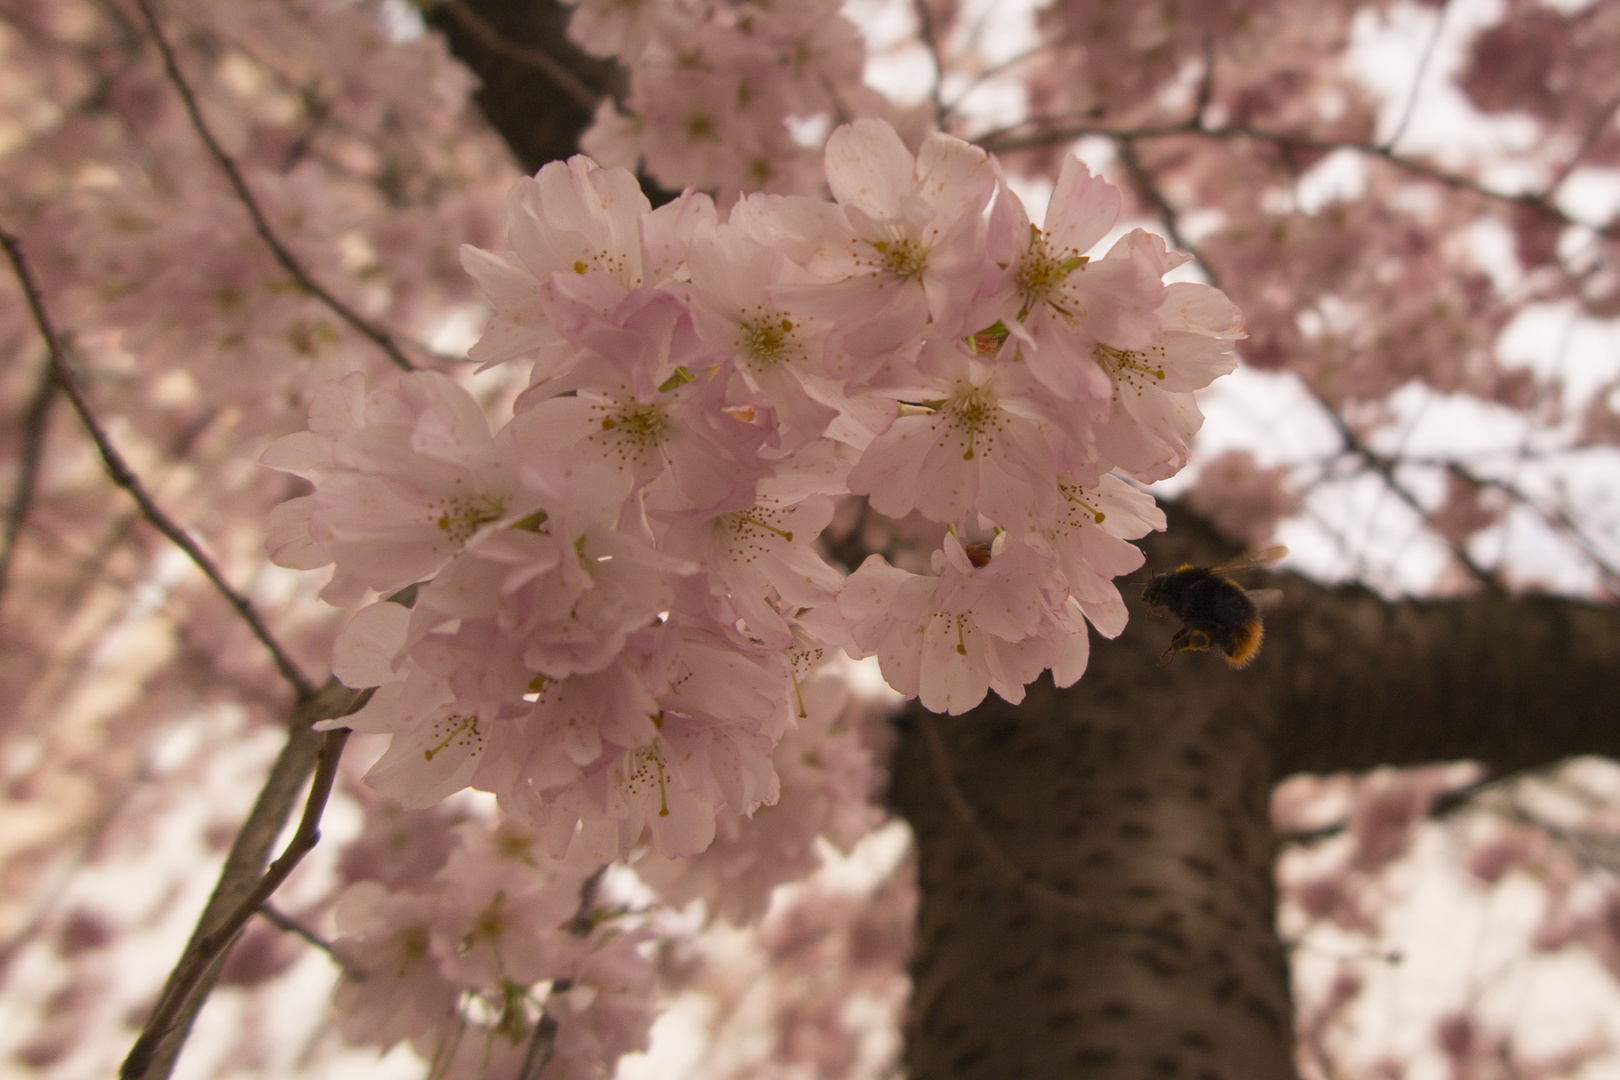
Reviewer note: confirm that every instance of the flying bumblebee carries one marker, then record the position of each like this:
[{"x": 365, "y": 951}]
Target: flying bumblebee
[{"x": 1216, "y": 612}]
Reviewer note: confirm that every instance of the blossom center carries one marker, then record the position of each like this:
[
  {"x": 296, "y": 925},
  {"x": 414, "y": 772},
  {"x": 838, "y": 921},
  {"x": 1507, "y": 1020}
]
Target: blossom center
[
  {"x": 644, "y": 769},
  {"x": 1077, "y": 498},
  {"x": 1130, "y": 368},
  {"x": 459, "y": 516},
  {"x": 1042, "y": 273},
  {"x": 903, "y": 257},
  {"x": 974, "y": 413},
  {"x": 751, "y": 530},
  {"x": 768, "y": 339},
  {"x": 641, "y": 425}
]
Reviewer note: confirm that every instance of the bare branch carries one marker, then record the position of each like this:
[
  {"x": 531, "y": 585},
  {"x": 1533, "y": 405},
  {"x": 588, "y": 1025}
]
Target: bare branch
[
  {"x": 1586, "y": 144},
  {"x": 1206, "y": 81},
  {"x": 1385, "y": 468},
  {"x": 528, "y": 55},
  {"x": 584, "y": 920},
  {"x": 121, "y": 475},
  {"x": 1417, "y": 80},
  {"x": 281, "y": 921},
  {"x": 33, "y": 445},
  {"x": 242, "y": 889},
  {"x": 1003, "y": 140},
  {"x": 992, "y": 71},
  {"x": 1149, "y": 187},
  {"x": 376, "y": 334}
]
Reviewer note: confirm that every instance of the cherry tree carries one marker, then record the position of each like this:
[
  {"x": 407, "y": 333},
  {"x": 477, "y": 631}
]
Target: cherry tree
[{"x": 623, "y": 453}]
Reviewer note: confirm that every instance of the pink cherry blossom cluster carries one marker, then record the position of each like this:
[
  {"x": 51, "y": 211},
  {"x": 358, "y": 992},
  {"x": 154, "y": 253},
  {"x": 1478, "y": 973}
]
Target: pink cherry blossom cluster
[
  {"x": 468, "y": 965},
  {"x": 725, "y": 95},
  {"x": 620, "y": 595}
]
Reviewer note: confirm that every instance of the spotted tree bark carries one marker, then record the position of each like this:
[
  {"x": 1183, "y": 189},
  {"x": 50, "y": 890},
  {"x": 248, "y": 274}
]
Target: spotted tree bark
[
  {"x": 1095, "y": 864},
  {"x": 1095, "y": 871}
]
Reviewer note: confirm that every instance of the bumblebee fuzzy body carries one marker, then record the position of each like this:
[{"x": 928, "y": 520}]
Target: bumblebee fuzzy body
[{"x": 1216, "y": 612}]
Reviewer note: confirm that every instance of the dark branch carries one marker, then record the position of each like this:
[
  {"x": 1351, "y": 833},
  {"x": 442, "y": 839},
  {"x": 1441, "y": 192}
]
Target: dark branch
[
  {"x": 539, "y": 119},
  {"x": 529, "y": 55},
  {"x": 1145, "y": 183},
  {"x": 376, "y": 334},
  {"x": 1385, "y": 468},
  {"x": 1007, "y": 139},
  {"x": 1410, "y": 104},
  {"x": 121, "y": 475},
  {"x": 33, "y": 445},
  {"x": 275, "y": 917}
]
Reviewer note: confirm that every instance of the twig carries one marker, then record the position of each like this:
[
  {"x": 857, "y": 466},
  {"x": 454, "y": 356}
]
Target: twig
[
  {"x": 376, "y": 334},
  {"x": 33, "y": 445},
  {"x": 584, "y": 921},
  {"x": 1005, "y": 139},
  {"x": 992, "y": 71},
  {"x": 119, "y": 472},
  {"x": 1586, "y": 144},
  {"x": 1417, "y": 80},
  {"x": 1206, "y": 81},
  {"x": 242, "y": 889},
  {"x": 1444, "y": 805},
  {"x": 542, "y": 1042},
  {"x": 1385, "y": 468},
  {"x": 1143, "y": 178},
  {"x": 1553, "y": 516},
  {"x": 542, "y": 61},
  {"x": 277, "y": 918}
]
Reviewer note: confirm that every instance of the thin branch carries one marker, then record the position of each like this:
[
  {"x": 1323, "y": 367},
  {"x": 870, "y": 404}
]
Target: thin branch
[
  {"x": 1586, "y": 144},
  {"x": 121, "y": 475},
  {"x": 992, "y": 71},
  {"x": 1145, "y": 182},
  {"x": 281, "y": 921},
  {"x": 376, "y": 334},
  {"x": 242, "y": 889},
  {"x": 1206, "y": 81},
  {"x": 542, "y": 61},
  {"x": 1417, "y": 80},
  {"x": 33, "y": 446},
  {"x": 1444, "y": 805},
  {"x": 1552, "y": 516},
  {"x": 584, "y": 920},
  {"x": 1002, "y": 140},
  {"x": 1385, "y": 468},
  {"x": 542, "y": 1042}
]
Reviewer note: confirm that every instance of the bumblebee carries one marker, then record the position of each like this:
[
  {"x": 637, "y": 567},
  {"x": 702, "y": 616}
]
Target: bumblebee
[{"x": 1216, "y": 612}]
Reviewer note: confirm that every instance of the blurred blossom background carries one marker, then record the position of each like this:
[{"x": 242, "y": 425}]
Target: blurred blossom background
[{"x": 1414, "y": 204}]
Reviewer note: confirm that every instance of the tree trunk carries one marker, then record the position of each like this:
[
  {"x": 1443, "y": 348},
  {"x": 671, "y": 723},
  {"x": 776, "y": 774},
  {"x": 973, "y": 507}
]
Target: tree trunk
[{"x": 1096, "y": 892}]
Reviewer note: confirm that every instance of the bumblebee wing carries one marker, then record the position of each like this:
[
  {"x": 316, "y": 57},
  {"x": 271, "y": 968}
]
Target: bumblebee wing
[
  {"x": 1265, "y": 599},
  {"x": 1270, "y": 556}
]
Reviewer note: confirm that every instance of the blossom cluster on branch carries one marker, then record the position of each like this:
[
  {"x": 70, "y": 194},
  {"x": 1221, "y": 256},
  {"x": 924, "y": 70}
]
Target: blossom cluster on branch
[
  {"x": 619, "y": 590},
  {"x": 498, "y": 958}
]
